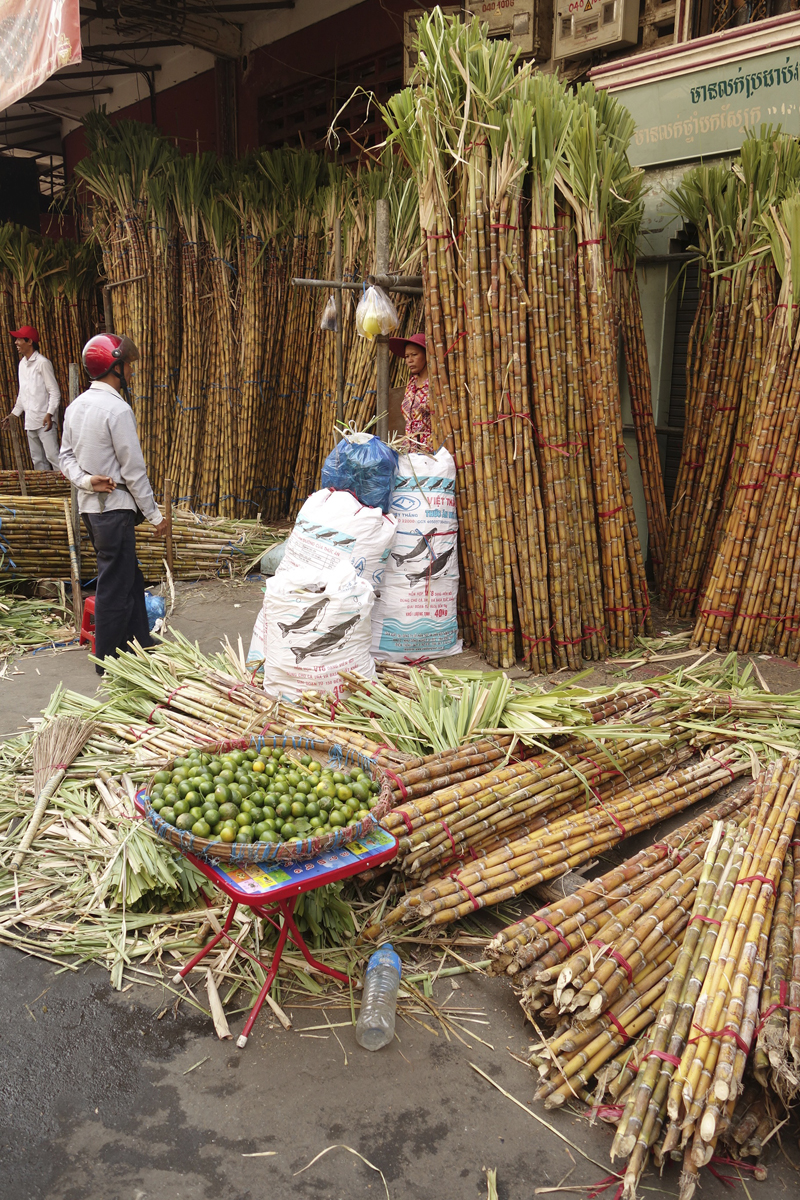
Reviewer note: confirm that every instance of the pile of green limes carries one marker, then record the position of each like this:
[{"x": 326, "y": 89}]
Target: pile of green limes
[{"x": 260, "y": 796}]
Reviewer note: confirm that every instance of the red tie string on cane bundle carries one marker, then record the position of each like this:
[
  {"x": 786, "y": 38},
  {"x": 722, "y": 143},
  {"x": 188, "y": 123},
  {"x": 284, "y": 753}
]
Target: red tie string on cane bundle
[
  {"x": 671, "y": 852},
  {"x": 446, "y": 828},
  {"x": 475, "y": 903},
  {"x": 620, "y": 1027},
  {"x": 727, "y": 1031},
  {"x": 756, "y": 879},
  {"x": 554, "y": 930},
  {"x": 618, "y": 958},
  {"x": 398, "y": 781},
  {"x": 664, "y": 1057},
  {"x": 705, "y": 920},
  {"x": 782, "y": 1004},
  {"x": 406, "y": 819}
]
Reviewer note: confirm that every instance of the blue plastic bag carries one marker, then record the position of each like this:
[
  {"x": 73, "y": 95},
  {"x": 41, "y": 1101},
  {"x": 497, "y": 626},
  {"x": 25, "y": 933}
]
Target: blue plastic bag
[
  {"x": 363, "y": 465},
  {"x": 156, "y": 608}
]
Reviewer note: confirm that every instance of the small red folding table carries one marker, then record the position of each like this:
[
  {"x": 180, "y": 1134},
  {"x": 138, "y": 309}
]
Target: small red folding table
[{"x": 270, "y": 890}]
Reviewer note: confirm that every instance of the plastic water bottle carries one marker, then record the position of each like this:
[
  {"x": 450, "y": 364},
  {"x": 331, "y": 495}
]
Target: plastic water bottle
[{"x": 375, "y": 1027}]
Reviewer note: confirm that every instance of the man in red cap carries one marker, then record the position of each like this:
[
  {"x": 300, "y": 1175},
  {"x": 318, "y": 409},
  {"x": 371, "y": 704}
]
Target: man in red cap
[
  {"x": 416, "y": 402},
  {"x": 38, "y": 399}
]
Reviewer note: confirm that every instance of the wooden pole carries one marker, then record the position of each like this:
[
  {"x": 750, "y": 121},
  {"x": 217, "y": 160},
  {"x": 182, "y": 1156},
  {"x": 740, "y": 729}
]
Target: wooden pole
[
  {"x": 168, "y": 516},
  {"x": 74, "y": 390},
  {"x": 77, "y": 598},
  {"x": 14, "y": 431},
  {"x": 381, "y": 267},
  {"x": 337, "y": 296},
  {"x": 108, "y": 309}
]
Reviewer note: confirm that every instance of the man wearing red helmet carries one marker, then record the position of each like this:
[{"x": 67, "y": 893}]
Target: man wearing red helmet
[
  {"x": 101, "y": 455},
  {"x": 38, "y": 399}
]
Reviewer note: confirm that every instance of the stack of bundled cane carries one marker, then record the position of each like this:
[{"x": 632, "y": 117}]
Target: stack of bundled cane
[
  {"x": 37, "y": 483},
  {"x": 731, "y": 555},
  {"x": 522, "y": 329},
  {"x": 670, "y": 973},
  {"x": 234, "y": 389},
  {"x": 34, "y": 543},
  {"x": 51, "y": 286}
]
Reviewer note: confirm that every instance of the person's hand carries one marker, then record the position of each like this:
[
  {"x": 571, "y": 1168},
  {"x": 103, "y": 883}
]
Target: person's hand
[
  {"x": 6, "y": 422},
  {"x": 103, "y": 483},
  {"x": 162, "y": 529},
  {"x": 47, "y": 423}
]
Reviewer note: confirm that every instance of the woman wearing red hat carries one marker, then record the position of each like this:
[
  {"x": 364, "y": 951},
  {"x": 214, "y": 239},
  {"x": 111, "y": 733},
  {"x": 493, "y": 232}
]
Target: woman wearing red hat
[
  {"x": 416, "y": 402},
  {"x": 38, "y": 399}
]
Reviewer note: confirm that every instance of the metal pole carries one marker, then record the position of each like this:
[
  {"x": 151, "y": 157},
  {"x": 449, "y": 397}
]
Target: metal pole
[
  {"x": 74, "y": 390},
  {"x": 381, "y": 267},
  {"x": 337, "y": 297}
]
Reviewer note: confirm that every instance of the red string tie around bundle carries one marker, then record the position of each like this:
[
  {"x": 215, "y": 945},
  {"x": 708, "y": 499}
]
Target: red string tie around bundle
[
  {"x": 556, "y": 931},
  {"x": 727, "y": 1031},
  {"x": 608, "y": 1181},
  {"x": 705, "y": 920},
  {"x": 475, "y": 902},
  {"x": 621, "y": 1030},
  {"x": 406, "y": 819},
  {"x": 455, "y": 342},
  {"x": 610, "y": 512},
  {"x": 781, "y": 1004},
  {"x": 446, "y": 828},
  {"x": 724, "y": 766},
  {"x": 664, "y": 1057},
  {"x": 670, "y": 851},
  {"x": 618, "y": 958},
  {"x": 153, "y": 710},
  {"x": 756, "y": 879},
  {"x": 592, "y": 242},
  {"x": 397, "y": 780},
  {"x": 500, "y": 226}
]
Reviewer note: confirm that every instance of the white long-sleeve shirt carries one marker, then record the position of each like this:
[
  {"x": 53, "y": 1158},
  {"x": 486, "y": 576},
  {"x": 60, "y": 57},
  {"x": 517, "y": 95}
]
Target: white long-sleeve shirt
[
  {"x": 100, "y": 438},
  {"x": 38, "y": 391}
]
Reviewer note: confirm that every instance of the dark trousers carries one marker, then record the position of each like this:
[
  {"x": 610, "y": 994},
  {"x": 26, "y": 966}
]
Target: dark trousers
[{"x": 120, "y": 614}]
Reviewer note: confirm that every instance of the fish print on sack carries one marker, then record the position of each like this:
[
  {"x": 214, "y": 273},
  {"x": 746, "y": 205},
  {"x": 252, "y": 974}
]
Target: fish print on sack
[
  {"x": 310, "y": 619},
  {"x": 435, "y": 568},
  {"x": 331, "y": 640},
  {"x": 421, "y": 546}
]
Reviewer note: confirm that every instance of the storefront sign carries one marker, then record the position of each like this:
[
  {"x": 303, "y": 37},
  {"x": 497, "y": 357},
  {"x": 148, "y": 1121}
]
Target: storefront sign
[
  {"x": 37, "y": 37},
  {"x": 707, "y": 112}
]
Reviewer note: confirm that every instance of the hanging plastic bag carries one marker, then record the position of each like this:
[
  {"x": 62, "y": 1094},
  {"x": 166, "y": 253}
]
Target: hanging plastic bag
[
  {"x": 375, "y": 314},
  {"x": 328, "y": 323},
  {"x": 364, "y": 465}
]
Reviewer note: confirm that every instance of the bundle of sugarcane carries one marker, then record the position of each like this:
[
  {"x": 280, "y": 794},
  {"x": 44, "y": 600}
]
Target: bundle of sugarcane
[
  {"x": 52, "y": 286},
  {"x": 27, "y": 624},
  {"x": 703, "y": 1035},
  {"x": 354, "y": 199},
  {"x": 637, "y": 369},
  {"x": 37, "y": 483},
  {"x": 729, "y": 359},
  {"x": 565, "y": 834},
  {"x": 527, "y": 403},
  {"x": 749, "y": 602},
  {"x": 34, "y": 543}
]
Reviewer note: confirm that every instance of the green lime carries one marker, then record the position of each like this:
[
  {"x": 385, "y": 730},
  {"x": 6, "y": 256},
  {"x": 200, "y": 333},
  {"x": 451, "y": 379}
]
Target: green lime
[
  {"x": 243, "y": 837},
  {"x": 221, "y": 793},
  {"x": 257, "y": 814},
  {"x": 288, "y": 830},
  {"x": 225, "y": 776},
  {"x": 184, "y": 821},
  {"x": 251, "y": 754},
  {"x": 156, "y": 790},
  {"x": 162, "y": 777},
  {"x": 298, "y": 809},
  {"x": 205, "y": 787},
  {"x": 180, "y": 806},
  {"x": 168, "y": 814},
  {"x": 312, "y": 809},
  {"x": 157, "y": 804},
  {"x": 243, "y": 819},
  {"x": 228, "y": 811},
  {"x": 269, "y": 813},
  {"x": 196, "y": 811},
  {"x": 226, "y": 834},
  {"x": 337, "y": 819},
  {"x": 201, "y": 829},
  {"x": 283, "y": 810},
  {"x": 359, "y": 791},
  {"x": 316, "y": 822}
]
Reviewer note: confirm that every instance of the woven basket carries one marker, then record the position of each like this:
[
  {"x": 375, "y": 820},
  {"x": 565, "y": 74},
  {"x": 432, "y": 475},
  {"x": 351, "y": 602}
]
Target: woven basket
[{"x": 327, "y": 753}]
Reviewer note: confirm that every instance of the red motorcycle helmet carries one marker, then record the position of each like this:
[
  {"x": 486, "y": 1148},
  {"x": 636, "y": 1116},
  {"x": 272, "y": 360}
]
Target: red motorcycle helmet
[{"x": 108, "y": 352}]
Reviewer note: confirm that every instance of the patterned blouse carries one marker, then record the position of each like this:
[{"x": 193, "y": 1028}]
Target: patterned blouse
[{"x": 417, "y": 412}]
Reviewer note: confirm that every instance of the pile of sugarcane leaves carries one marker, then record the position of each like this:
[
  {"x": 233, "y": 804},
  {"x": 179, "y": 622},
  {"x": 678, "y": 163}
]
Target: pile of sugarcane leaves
[
  {"x": 99, "y": 886},
  {"x": 28, "y": 624}
]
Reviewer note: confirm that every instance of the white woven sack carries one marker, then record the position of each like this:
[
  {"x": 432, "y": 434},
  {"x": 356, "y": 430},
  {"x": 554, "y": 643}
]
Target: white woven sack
[
  {"x": 416, "y": 621},
  {"x": 334, "y": 527},
  {"x": 315, "y": 625},
  {"x": 424, "y": 506}
]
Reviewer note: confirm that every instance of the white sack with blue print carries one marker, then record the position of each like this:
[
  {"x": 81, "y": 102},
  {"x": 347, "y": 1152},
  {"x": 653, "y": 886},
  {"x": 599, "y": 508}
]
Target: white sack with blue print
[
  {"x": 334, "y": 527},
  {"x": 316, "y": 624}
]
